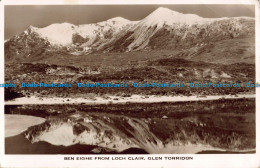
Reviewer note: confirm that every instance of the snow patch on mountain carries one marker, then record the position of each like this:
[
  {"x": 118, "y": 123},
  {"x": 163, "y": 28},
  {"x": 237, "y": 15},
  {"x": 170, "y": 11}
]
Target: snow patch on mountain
[{"x": 58, "y": 33}]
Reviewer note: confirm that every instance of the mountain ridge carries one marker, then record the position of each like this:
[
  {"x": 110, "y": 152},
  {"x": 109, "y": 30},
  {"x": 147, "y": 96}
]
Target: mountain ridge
[{"x": 161, "y": 29}]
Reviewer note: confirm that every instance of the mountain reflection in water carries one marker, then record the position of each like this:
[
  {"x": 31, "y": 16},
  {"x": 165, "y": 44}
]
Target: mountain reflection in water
[
  {"x": 119, "y": 133},
  {"x": 189, "y": 127}
]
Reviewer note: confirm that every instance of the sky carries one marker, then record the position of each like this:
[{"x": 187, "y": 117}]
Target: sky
[{"x": 19, "y": 17}]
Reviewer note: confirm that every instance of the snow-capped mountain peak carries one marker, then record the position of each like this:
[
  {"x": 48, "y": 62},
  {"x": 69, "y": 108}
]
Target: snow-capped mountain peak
[
  {"x": 166, "y": 16},
  {"x": 58, "y": 33},
  {"x": 164, "y": 26},
  {"x": 119, "y": 20},
  {"x": 30, "y": 29},
  {"x": 162, "y": 10}
]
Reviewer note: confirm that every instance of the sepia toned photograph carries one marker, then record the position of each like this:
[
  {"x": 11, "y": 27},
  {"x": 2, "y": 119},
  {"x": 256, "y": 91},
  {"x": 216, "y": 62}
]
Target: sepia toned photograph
[{"x": 130, "y": 79}]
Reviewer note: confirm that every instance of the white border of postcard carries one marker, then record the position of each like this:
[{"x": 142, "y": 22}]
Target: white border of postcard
[{"x": 199, "y": 161}]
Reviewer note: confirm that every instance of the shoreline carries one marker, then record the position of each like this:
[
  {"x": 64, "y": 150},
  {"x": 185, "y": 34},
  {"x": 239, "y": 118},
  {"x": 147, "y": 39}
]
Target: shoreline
[{"x": 120, "y": 99}]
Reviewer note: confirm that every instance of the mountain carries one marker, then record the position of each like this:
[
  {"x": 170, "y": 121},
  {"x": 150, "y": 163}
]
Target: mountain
[
  {"x": 167, "y": 29},
  {"x": 34, "y": 41},
  {"x": 66, "y": 34},
  {"x": 163, "y": 29}
]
